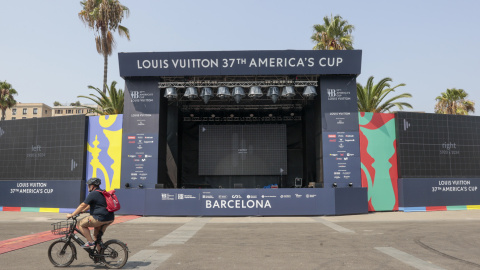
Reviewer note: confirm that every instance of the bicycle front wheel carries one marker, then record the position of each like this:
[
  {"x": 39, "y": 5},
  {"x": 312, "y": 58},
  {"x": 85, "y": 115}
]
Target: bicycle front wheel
[
  {"x": 115, "y": 254},
  {"x": 61, "y": 253}
]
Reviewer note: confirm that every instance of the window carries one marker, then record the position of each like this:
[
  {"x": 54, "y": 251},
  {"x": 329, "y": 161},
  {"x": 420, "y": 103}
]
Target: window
[
  {"x": 35, "y": 110},
  {"x": 13, "y": 118},
  {"x": 58, "y": 111},
  {"x": 24, "y": 117},
  {"x": 46, "y": 111},
  {"x": 69, "y": 111},
  {"x": 24, "y": 110},
  {"x": 14, "y": 111}
]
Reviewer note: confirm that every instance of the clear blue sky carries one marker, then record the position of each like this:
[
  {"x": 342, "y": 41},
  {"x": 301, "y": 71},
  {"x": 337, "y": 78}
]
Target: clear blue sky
[{"x": 48, "y": 55}]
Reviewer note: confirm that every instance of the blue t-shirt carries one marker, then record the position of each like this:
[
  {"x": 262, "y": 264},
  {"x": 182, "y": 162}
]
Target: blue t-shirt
[{"x": 98, "y": 206}]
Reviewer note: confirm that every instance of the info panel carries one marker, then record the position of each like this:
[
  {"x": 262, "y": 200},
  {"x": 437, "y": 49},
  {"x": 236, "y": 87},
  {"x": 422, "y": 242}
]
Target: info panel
[
  {"x": 51, "y": 148},
  {"x": 340, "y": 137},
  {"x": 140, "y": 141}
]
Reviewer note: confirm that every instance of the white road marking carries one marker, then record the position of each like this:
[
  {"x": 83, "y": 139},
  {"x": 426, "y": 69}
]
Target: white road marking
[
  {"x": 334, "y": 226},
  {"x": 182, "y": 234},
  {"x": 408, "y": 259},
  {"x": 146, "y": 259}
]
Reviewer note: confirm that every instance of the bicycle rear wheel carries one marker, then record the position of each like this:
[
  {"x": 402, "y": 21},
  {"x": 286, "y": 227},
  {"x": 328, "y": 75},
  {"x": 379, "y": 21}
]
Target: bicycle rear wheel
[
  {"x": 61, "y": 253},
  {"x": 115, "y": 254}
]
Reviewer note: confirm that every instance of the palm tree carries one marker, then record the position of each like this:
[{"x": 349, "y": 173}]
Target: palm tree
[
  {"x": 371, "y": 96},
  {"x": 334, "y": 34},
  {"x": 104, "y": 16},
  {"x": 7, "y": 100},
  {"x": 111, "y": 104},
  {"x": 453, "y": 101}
]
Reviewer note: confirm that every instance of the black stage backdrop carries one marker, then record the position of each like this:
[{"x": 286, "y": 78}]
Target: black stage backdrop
[
  {"x": 437, "y": 145},
  {"x": 190, "y": 177},
  {"x": 51, "y": 148},
  {"x": 248, "y": 149}
]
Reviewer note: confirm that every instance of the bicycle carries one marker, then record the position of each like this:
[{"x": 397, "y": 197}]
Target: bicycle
[{"x": 62, "y": 252}]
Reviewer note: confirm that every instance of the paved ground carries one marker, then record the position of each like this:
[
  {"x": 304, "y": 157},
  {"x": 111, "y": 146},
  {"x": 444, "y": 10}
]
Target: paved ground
[{"x": 419, "y": 240}]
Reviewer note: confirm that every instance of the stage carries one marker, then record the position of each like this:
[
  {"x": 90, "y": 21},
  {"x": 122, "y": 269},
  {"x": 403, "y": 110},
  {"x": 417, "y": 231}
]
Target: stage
[{"x": 243, "y": 202}]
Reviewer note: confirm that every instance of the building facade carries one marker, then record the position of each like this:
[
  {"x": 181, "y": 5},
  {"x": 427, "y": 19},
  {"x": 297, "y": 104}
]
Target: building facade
[
  {"x": 28, "y": 110},
  {"x": 38, "y": 110},
  {"x": 74, "y": 110}
]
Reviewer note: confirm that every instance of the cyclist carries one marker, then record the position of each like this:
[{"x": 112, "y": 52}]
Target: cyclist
[{"x": 99, "y": 217}]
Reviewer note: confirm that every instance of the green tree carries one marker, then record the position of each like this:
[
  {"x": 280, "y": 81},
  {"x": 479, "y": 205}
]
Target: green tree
[
  {"x": 7, "y": 100},
  {"x": 334, "y": 34},
  {"x": 453, "y": 101},
  {"x": 109, "y": 104},
  {"x": 76, "y": 103},
  {"x": 104, "y": 17},
  {"x": 57, "y": 103},
  {"x": 371, "y": 96}
]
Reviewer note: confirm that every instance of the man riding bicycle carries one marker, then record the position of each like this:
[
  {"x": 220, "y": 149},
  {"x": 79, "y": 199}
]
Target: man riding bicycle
[{"x": 99, "y": 217}]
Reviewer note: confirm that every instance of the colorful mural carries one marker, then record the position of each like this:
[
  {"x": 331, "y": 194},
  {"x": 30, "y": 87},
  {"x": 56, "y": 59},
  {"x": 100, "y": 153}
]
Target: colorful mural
[
  {"x": 379, "y": 160},
  {"x": 104, "y": 149}
]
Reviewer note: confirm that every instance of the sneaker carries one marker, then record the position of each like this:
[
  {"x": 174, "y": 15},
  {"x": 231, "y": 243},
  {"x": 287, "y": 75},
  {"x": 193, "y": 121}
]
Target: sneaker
[{"x": 88, "y": 244}]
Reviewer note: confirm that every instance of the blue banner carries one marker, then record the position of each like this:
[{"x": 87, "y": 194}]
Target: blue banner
[
  {"x": 243, "y": 202},
  {"x": 42, "y": 193},
  {"x": 417, "y": 192},
  {"x": 240, "y": 63}
]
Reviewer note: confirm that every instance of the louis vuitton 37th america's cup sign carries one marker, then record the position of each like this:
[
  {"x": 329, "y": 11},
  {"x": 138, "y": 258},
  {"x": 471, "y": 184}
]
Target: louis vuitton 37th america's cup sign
[{"x": 240, "y": 63}]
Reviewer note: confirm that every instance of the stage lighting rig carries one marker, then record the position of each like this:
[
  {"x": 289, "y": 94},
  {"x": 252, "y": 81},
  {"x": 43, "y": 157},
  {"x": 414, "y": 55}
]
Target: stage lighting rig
[
  {"x": 309, "y": 92},
  {"x": 238, "y": 93},
  {"x": 255, "y": 92},
  {"x": 206, "y": 94},
  {"x": 171, "y": 93},
  {"x": 273, "y": 93}
]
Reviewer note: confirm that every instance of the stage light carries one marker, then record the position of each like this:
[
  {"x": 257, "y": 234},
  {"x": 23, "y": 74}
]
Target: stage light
[
  {"x": 171, "y": 93},
  {"x": 309, "y": 92},
  {"x": 251, "y": 115},
  {"x": 292, "y": 114},
  {"x": 192, "y": 115},
  {"x": 270, "y": 115},
  {"x": 213, "y": 115},
  {"x": 191, "y": 92},
  {"x": 127, "y": 185},
  {"x": 255, "y": 92},
  {"x": 350, "y": 184},
  {"x": 334, "y": 185},
  {"x": 140, "y": 186},
  {"x": 232, "y": 115},
  {"x": 206, "y": 94},
  {"x": 273, "y": 93},
  {"x": 238, "y": 93},
  {"x": 288, "y": 92},
  {"x": 223, "y": 92}
]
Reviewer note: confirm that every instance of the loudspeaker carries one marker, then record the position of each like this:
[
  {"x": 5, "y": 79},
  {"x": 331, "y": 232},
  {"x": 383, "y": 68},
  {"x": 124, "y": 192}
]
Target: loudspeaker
[
  {"x": 159, "y": 186},
  {"x": 298, "y": 182},
  {"x": 237, "y": 185}
]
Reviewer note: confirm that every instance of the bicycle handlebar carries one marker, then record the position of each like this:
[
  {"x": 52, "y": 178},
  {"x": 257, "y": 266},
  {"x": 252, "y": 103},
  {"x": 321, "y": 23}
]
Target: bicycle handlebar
[{"x": 74, "y": 217}]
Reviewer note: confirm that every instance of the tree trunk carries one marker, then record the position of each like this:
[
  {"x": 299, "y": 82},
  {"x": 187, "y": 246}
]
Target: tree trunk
[
  {"x": 105, "y": 59},
  {"x": 3, "y": 114},
  {"x": 105, "y": 69}
]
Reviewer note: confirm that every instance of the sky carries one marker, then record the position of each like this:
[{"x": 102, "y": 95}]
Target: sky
[{"x": 49, "y": 55}]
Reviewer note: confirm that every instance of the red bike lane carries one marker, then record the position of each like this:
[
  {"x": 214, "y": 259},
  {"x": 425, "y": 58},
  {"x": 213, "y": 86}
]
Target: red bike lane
[{"x": 37, "y": 238}]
